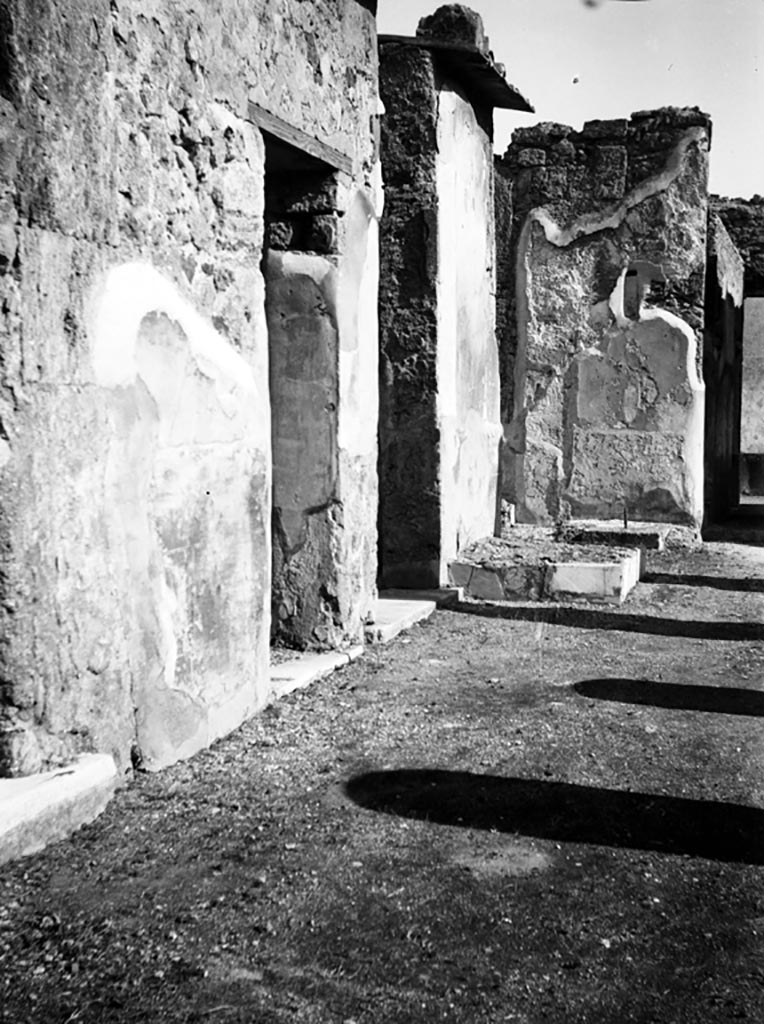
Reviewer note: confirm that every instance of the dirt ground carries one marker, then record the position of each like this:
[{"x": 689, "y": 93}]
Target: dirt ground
[{"x": 512, "y": 813}]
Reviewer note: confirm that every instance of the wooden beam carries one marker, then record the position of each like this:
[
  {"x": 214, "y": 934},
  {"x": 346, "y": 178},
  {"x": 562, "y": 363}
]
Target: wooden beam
[{"x": 285, "y": 132}]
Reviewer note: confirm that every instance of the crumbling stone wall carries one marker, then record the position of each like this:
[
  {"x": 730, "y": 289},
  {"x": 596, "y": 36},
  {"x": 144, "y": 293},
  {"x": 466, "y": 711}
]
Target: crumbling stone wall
[
  {"x": 439, "y": 384},
  {"x": 135, "y": 510},
  {"x": 607, "y": 290},
  {"x": 744, "y": 221},
  {"x": 409, "y": 467}
]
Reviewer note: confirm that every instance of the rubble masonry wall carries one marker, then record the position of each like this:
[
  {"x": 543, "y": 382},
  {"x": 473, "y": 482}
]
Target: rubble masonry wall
[
  {"x": 605, "y": 405},
  {"x": 439, "y": 385},
  {"x": 135, "y": 439}
]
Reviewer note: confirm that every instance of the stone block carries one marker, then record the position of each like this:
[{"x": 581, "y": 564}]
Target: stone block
[
  {"x": 454, "y": 23},
  {"x": 460, "y": 573},
  {"x": 485, "y": 585},
  {"x": 609, "y": 583}
]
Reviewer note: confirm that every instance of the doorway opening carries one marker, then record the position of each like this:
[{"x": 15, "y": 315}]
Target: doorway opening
[{"x": 300, "y": 256}]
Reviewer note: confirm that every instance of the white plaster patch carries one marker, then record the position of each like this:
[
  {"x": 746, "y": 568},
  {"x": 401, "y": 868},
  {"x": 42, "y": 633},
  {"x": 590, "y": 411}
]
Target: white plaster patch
[
  {"x": 358, "y": 326},
  {"x": 678, "y": 324},
  {"x": 616, "y": 300},
  {"x": 118, "y": 305},
  {"x": 186, "y": 507}
]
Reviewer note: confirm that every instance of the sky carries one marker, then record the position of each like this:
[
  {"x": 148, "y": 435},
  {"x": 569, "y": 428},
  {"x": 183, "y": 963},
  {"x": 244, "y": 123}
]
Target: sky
[{"x": 575, "y": 63}]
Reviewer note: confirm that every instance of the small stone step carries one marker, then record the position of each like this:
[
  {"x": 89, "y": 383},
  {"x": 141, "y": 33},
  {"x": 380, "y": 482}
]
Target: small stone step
[
  {"x": 41, "y": 809},
  {"x": 393, "y": 615},
  {"x": 307, "y": 668}
]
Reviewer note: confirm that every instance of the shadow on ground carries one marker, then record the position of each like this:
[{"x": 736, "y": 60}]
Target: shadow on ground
[
  {"x": 566, "y": 813},
  {"x": 744, "y": 585},
  {"x": 594, "y": 618},
  {"x": 720, "y": 700}
]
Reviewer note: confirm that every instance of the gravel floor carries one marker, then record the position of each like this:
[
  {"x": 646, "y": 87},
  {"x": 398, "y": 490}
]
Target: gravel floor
[{"x": 512, "y": 813}]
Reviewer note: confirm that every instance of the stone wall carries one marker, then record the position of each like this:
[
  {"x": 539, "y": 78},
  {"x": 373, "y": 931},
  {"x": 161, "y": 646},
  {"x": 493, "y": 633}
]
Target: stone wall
[
  {"x": 409, "y": 440},
  {"x": 440, "y": 426},
  {"x": 135, "y": 441},
  {"x": 722, "y": 358},
  {"x": 606, "y": 288},
  {"x": 744, "y": 220}
]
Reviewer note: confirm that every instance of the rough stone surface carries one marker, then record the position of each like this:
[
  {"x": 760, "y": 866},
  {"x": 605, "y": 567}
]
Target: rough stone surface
[
  {"x": 744, "y": 220},
  {"x": 135, "y": 442},
  {"x": 529, "y": 563},
  {"x": 454, "y": 23},
  {"x": 602, "y": 299},
  {"x": 409, "y": 498},
  {"x": 439, "y": 381}
]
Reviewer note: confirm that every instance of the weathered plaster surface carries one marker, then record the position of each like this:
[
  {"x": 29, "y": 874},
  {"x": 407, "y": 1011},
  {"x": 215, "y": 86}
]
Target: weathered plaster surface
[
  {"x": 744, "y": 220},
  {"x": 752, "y": 421},
  {"x": 359, "y": 409},
  {"x": 607, "y": 405},
  {"x": 135, "y": 455},
  {"x": 303, "y": 334},
  {"x": 469, "y": 422},
  {"x": 186, "y": 499}
]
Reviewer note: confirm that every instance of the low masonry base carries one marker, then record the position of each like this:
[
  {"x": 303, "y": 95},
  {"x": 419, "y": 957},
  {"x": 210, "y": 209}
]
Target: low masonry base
[
  {"x": 532, "y": 566},
  {"x": 41, "y": 809}
]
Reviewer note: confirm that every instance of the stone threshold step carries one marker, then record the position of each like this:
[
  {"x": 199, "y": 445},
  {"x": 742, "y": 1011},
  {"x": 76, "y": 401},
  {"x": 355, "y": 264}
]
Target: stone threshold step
[
  {"x": 37, "y": 810},
  {"x": 391, "y": 615},
  {"x": 305, "y": 669}
]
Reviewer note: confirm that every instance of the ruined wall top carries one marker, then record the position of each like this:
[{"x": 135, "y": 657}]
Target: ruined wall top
[
  {"x": 573, "y": 171},
  {"x": 453, "y": 40},
  {"x": 654, "y": 129},
  {"x": 454, "y": 23},
  {"x": 744, "y": 220}
]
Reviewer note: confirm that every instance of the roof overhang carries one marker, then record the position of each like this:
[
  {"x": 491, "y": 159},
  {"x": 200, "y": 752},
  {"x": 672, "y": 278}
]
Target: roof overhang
[{"x": 473, "y": 68}]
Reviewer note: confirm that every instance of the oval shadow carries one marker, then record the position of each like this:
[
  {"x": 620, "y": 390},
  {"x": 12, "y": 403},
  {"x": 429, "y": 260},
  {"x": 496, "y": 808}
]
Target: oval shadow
[
  {"x": 566, "y": 813},
  {"x": 720, "y": 700}
]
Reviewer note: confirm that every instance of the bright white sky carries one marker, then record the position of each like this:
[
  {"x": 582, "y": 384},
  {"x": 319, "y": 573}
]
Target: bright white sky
[{"x": 628, "y": 57}]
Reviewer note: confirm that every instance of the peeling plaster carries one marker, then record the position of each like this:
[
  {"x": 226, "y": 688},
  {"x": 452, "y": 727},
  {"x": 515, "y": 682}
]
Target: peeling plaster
[
  {"x": 531, "y": 439},
  {"x": 591, "y": 223}
]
